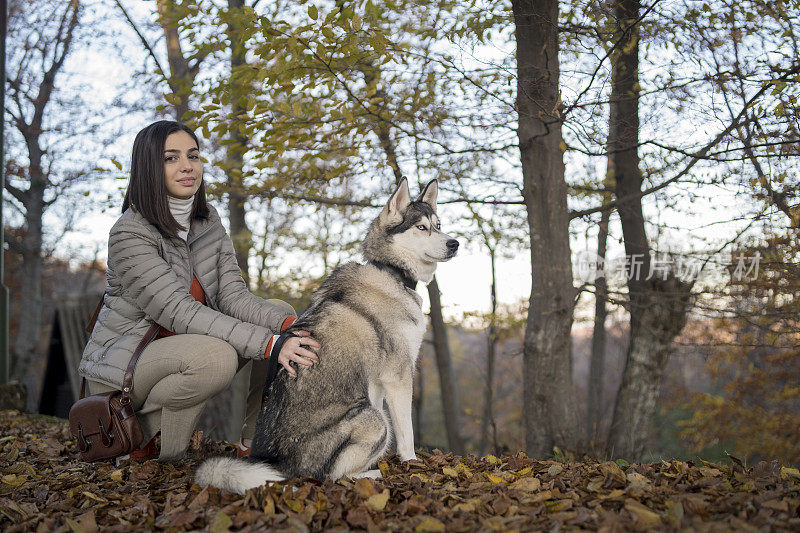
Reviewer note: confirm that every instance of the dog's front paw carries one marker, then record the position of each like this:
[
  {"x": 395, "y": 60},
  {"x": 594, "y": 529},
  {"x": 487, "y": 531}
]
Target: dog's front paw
[{"x": 411, "y": 457}]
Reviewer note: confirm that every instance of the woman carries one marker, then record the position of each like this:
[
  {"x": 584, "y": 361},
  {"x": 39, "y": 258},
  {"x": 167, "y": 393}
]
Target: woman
[{"x": 171, "y": 262}]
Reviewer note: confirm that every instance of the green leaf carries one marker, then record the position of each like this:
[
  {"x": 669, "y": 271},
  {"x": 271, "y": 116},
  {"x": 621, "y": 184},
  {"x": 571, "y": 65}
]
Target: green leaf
[{"x": 312, "y": 11}]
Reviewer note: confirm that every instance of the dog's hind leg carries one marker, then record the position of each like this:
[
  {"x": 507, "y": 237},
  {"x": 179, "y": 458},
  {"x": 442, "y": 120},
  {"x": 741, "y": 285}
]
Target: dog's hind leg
[{"x": 369, "y": 438}]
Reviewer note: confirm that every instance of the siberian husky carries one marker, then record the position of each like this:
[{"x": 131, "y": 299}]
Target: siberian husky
[{"x": 329, "y": 421}]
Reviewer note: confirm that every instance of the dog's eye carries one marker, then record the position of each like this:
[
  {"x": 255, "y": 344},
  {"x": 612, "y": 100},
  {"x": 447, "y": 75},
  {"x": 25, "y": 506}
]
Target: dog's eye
[
  {"x": 438, "y": 226},
  {"x": 421, "y": 227}
]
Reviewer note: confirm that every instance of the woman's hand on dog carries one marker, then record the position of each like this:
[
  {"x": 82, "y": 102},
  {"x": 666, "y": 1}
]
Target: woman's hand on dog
[{"x": 296, "y": 349}]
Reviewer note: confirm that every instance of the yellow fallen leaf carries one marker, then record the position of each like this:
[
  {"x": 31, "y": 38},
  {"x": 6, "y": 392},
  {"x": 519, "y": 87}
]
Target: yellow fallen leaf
[
  {"x": 13, "y": 480},
  {"x": 538, "y": 497},
  {"x": 465, "y": 507},
  {"x": 555, "y": 470},
  {"x": 365, "y": 488},
  {"x": 491, "y": 459},
  {"x": 116, "y": 475},
  {"x": 595, "y": 484},
  {"x": 269, "y": 505},
  {"x": 524, "y": 471},
  {"x": 787, "y": 472},
  {"x": 637, "y": 482},
  {"x": 452, "y": 472},
  {"x": 294, "y": 505},
  {"x": 383, "y": 466},
  {"x": 530, "y": 484},
  {"x": 643, "y": 516},
  {"x": 220, "y": 523},
  {"x": 430, "y": 525},
  {"x": 674, "y": 511},
  {"x": 461, "y": 468},
  {"x": 94, "y": 497},
  {"x": 558, "y": 506},
  {"x": 74, "y": 526},
  {"x": 613, "y": 470},
  {"x": 614, "y": 494},
  {"x": 377, "y": 502},
  {"x": 495, "y": 479}
]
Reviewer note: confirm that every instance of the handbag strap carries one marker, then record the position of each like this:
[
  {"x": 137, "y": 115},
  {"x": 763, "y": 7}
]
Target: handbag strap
[
  {"x": 127, "y": 382},
  {"x": 93, "y": 319}
]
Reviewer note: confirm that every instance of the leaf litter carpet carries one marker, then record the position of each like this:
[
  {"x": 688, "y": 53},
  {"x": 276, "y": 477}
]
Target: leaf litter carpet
[{"x": 46, "y": 487}]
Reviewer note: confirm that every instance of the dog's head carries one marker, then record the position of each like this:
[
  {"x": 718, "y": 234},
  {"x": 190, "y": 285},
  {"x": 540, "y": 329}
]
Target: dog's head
[{"x": 407, "y": 234}]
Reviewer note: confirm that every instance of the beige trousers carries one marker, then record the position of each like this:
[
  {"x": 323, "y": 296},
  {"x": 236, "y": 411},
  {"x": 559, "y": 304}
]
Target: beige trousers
[{"x": 176, "y": 376}]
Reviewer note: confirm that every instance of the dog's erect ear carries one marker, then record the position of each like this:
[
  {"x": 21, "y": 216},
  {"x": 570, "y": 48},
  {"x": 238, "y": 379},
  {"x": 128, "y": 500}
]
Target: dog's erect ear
[
  {"x": 397, "y": 204},
  {"x": 429, "y": 194}
]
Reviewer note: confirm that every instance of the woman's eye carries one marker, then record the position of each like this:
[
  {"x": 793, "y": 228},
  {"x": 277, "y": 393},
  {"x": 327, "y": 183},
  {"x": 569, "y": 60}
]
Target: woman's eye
[
  {"x": 194, "y": 157},
  {"x": 421, "y": 227}
]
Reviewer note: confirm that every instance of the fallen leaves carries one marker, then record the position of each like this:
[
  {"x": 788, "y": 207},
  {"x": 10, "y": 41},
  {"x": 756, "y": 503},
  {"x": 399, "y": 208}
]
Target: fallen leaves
[{"x": 45, "y": 487}]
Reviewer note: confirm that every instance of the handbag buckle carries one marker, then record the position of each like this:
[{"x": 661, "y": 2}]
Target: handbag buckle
[
  {"x": 108, "y": 439},
  {"x": 83, "y": 443}
]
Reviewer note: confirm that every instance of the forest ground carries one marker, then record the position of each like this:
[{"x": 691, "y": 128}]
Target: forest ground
[{"x": 46, "y": 487}]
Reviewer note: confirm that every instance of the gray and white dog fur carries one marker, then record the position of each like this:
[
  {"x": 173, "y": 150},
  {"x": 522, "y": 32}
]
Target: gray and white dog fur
[{"x": 329, "y": 421}]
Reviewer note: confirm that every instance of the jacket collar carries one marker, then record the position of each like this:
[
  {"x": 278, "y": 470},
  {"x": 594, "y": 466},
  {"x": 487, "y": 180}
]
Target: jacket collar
[{"x": 199, "y": 227}]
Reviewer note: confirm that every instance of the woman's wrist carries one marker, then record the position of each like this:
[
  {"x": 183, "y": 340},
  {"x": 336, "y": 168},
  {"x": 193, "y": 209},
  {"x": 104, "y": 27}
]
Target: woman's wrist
[{"x": 288, "y": 321}]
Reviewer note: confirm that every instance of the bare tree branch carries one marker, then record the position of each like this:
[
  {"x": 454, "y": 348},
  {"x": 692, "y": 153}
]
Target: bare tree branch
[
  {"x": 142, "y": 38},
  {"x": 735, "y": 123}
]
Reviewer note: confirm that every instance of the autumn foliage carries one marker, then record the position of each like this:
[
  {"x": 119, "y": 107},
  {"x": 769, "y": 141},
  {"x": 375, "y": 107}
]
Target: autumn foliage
[
  {"x": 45, "y": 487},
  {"x": 755, "y": 409}
]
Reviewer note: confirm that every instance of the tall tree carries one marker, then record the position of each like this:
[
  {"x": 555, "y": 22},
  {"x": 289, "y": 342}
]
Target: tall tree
[
  {"x": 597, "y": 359},
  {"x": 658, "y": 301},
  {"x": 41, "y": 36},
  {"x": 237, "y": 144},
  {"x": 549, "y": 409}
]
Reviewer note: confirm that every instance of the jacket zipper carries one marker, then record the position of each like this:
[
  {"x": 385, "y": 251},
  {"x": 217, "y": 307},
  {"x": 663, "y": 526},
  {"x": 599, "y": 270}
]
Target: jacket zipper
[{"x": 209, "y": 300}]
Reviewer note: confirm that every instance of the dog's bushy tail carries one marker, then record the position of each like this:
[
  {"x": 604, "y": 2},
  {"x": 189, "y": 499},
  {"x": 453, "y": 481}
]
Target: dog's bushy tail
[{"x": 235, "y": 475}]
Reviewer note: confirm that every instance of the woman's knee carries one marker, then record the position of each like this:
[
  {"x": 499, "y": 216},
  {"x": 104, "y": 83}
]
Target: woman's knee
[
  {"x": 221, "y": 363},
  {"x": 212, "y": 360}
]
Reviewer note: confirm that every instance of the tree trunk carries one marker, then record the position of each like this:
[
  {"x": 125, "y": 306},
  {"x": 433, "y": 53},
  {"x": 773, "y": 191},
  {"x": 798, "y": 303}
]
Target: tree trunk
[
  {"x": 27, "y": 364},
  {"x": 444, "y": 364},
  {"x": 597, "y": 363},
  {"x": 658, "y": 306},
  {"x": 239, "y": 232},
  {"x": 180, "y": 77},
  {"x": 549, "y": 408},
  {"x": 491, "y": 344},
  {"x": 417, "y": 398}
]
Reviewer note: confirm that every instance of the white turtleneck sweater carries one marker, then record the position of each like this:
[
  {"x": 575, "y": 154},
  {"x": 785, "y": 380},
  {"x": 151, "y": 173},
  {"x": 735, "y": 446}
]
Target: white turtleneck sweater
[{"x": 181, "y": 211}]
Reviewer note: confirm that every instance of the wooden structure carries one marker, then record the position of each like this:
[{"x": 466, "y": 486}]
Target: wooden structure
[{"x": 68, "y": 337}]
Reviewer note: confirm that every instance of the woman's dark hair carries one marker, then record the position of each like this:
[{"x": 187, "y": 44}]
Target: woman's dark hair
[{"x": 147, "y": 190}]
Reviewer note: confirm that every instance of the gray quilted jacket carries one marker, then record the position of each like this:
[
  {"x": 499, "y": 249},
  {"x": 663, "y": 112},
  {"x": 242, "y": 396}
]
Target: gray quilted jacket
[{"x": 149, "y": 276}]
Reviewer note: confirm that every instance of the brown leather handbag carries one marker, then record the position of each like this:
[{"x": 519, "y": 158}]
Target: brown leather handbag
[{"x": 105, "y": 424}]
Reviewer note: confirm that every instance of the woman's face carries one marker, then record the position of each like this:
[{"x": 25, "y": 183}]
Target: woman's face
[{"x": 183, "y": 170}]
